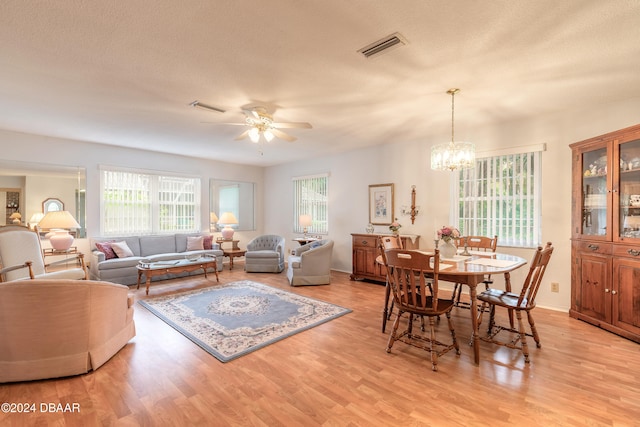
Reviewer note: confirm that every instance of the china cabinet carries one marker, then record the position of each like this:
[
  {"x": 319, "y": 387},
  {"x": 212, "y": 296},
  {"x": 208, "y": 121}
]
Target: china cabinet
[
  {"x": 605, "y": 273},
  {"x": 365, "y": 251}
]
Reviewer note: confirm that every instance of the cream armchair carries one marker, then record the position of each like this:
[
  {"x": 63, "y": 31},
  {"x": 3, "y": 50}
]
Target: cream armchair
[
  {"x": 57, "y": 328},
  {"x": 21, "y": 257},
  {"x": 311, "y": 264},
  {"x": 265, "y": 254}
]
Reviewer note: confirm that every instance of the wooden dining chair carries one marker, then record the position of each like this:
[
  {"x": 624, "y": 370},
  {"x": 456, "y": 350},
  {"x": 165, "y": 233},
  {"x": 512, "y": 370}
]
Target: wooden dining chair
[
  {"x": 384, "y": 243},
  {"x": 479, "y": 244},
  {"x": 524, "y": 301},
  {"x": 411, "y": 295}
]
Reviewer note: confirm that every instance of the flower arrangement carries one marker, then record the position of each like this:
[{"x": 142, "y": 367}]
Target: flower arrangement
[
  {"x": 395, "y": 226},
  {"x": 447, "y": 233}
]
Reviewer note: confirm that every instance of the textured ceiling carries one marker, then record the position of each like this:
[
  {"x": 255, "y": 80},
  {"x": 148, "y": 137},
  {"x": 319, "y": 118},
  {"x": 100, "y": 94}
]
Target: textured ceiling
[{"x": 123, "y": 73}]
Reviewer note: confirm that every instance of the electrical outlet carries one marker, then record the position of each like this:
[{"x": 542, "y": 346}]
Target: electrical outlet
[{"x": 555, "y": 287}]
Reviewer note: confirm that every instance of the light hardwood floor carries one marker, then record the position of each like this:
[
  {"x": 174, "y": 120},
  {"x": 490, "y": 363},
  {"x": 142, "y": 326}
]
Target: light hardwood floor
[{"x": 338, "y": 374}]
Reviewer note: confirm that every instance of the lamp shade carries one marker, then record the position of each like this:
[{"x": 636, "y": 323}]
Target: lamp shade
[
  {"x": 36, "y": 218},
  {"x": 227, "y": 219},
  {"x": 58, "y": 219},
  {"x": 213, "y": 218},
  {"x": 305, "y": 220}
]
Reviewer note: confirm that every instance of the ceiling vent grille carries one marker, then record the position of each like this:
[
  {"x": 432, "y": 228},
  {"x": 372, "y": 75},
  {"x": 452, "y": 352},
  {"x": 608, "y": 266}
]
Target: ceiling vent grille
[{"x": 383, "y": 45}]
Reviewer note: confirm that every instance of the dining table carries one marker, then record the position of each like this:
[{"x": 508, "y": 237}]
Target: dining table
[{"x": 470, "y": 269}]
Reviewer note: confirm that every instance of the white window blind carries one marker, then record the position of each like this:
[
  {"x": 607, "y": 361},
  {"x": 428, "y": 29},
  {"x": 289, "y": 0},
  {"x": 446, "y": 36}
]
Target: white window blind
[
  {"x": 501, "y": 196},
  {"x": 145, "y": 203},
  {"x": 310, "y": 197}
]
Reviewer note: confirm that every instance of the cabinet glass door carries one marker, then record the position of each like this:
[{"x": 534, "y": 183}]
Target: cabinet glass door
[
  {"x": 629, "y": 187},
  {"x": 594, "y": 192}
]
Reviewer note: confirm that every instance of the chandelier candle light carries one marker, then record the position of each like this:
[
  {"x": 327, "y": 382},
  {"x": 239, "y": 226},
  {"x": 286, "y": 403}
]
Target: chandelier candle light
[{"x": 453, "y": 155}]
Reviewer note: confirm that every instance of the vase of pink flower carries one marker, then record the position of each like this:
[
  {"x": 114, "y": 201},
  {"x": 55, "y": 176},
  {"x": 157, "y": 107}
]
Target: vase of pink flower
[
  {"x": 447, "y": 234},
  {"x": 395, "y": 226}
]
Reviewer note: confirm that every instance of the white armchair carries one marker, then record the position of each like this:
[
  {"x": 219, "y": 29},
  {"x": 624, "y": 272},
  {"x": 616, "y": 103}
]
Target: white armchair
[
  {"x": 311, "y": 264},
  {"x": 265, "y": 254},
  {"x": 21, "y": 257}
]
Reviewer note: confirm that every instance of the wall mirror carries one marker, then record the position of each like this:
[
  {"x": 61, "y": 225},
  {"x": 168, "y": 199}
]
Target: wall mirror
[
  {"x": 236, "y": 197},
  {"x": 38, "y": 182}
]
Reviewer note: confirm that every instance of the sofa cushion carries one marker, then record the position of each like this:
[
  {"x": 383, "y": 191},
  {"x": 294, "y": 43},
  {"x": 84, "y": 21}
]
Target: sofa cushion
[
  {"x": 116, "y": 263},
  {"x": 207, "y": 242},
  {"x": 106, "y": 249},
  {"x": 121, "y": 249},
  {"x": 262, "y": 254},
  {"x": 152, "y": 245},
  {"x": 195, "y": 243}
]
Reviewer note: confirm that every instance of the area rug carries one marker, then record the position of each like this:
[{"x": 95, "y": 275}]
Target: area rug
[{"x": 229, "y": 321}]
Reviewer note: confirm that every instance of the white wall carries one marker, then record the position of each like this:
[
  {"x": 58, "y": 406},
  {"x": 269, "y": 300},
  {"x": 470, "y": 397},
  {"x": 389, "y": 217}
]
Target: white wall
[
  {"x": 403, "y": 163},
  {"x": 63, "y": 152},
  {"x": 406, "y": 163}
]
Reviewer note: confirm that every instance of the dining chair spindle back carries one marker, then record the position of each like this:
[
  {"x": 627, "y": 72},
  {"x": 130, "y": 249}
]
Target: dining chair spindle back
[
  {"x": 524, "y": 301},
  {"x": 415, "y": 294}
]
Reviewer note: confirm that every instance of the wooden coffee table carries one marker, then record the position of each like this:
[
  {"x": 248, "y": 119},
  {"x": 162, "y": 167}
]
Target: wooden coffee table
[{"x": 175, "y": 266}]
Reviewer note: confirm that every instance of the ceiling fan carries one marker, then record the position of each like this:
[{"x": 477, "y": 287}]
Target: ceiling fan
[{"x": 260, "y": 123}]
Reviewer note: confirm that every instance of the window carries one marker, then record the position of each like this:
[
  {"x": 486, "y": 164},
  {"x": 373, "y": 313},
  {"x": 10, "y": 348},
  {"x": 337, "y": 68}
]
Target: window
[
  {"x": 501, "y": 196},
  {"x": 310, "y": 197},
  {"x": 145, "y": 203}
]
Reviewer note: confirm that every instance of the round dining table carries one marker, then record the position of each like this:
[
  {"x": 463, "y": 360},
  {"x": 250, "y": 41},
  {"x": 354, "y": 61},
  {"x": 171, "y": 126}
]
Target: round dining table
[{"x": 470, "y": 270}]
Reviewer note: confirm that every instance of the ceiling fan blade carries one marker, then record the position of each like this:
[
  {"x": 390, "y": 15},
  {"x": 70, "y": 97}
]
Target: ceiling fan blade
[
  {"x": 243, "y": 135},
  {"x": 232, "y": 124},
  {"x": 285, "y": 125},
  {"x": 283, "y": 135}
]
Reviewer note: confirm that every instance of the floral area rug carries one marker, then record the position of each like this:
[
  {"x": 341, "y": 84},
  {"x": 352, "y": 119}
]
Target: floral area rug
[{"x": 229, "y": 321}]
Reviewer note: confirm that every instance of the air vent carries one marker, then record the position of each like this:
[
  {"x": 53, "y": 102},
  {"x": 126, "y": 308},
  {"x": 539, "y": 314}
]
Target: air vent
[{"x": 383, "y": 45}]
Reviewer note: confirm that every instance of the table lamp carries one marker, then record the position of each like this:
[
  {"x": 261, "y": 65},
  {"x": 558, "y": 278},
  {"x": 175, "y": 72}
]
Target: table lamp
[
  {"x": 213, "y": 219},
  {"x": 227, "y": 219},
  {"x": 59, "y": 222},
  {"x": 16, "y": 217},
  {"x": 35, "y": 219},
  {"x": 305, "y": 221}
]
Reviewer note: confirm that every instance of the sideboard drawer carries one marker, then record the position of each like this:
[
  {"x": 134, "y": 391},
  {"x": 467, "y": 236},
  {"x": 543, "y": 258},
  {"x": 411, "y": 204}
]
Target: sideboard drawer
[{"x": 365, "y": 241}]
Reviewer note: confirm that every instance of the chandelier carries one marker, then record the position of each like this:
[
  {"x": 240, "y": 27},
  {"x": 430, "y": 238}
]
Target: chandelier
[{"x": 453, "y": 155}]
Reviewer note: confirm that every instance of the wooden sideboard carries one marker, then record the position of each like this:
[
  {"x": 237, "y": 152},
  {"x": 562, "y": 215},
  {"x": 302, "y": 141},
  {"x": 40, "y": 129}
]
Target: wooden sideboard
[{"x": 365, "y": 251}]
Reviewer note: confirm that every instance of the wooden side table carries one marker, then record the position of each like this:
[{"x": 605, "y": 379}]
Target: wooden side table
[
  {"x": 235, "y": 250},
  {"x": 232, "y": 253}
]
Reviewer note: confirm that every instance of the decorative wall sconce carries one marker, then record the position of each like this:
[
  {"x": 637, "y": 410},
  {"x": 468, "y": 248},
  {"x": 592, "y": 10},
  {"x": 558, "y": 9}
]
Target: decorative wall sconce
[{"x": 413, "y": 210}]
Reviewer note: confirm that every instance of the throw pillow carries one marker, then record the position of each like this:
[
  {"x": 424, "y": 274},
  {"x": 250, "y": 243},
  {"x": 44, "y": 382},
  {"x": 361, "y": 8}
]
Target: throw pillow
[
  {"x": 207, "y": 242},
  {"x": 315, "y": 245},
  {"x": 121, "y": 249},
  {"x": 106, "y": 249},
  {"x": 195, "y": 243}
]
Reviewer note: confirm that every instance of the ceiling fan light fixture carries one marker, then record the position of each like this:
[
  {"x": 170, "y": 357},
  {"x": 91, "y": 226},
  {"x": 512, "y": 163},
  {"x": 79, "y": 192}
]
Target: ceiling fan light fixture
[
  {"x": 254, "y": 135},
  {"x": 453, "y": 155},
  {"x": 268, "y": 135}
]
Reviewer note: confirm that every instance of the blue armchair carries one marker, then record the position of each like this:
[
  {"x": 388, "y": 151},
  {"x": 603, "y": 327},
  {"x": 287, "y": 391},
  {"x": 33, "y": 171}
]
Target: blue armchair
[{"x": 265, "y": 254}]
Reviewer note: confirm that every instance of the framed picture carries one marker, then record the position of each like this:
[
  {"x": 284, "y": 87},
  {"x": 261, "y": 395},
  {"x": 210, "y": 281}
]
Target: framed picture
[{"x": 381, "y": 204}]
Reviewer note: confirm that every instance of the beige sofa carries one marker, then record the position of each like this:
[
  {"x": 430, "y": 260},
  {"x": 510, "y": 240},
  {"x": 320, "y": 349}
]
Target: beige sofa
[
  {"x": 310, "y": 264},
  {"x": 55, "y": 328}
]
